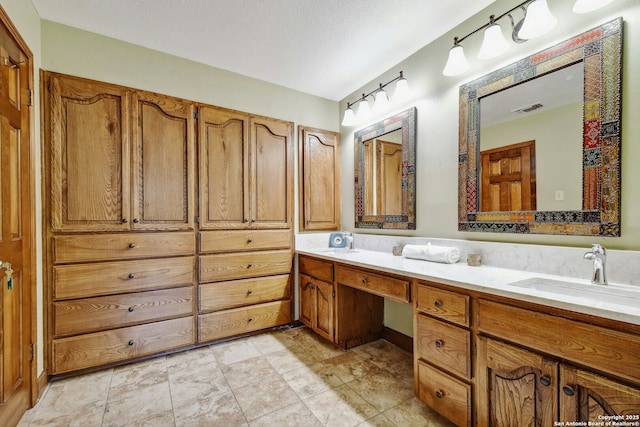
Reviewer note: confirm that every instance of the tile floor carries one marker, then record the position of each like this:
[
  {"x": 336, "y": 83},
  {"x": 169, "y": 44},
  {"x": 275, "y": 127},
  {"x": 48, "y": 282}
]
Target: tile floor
[{"x": 277, "y": 379}]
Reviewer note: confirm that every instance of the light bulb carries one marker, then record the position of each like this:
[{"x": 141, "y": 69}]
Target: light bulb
[
  {"x": 382, "y": 101},
  {"x": 457, "y": 62},
  {"x": 538, "y": 20},
  {"x": 364, "y": 110},
  {"x": 349, "y": 118},
  {"x": 493, "y": 43}
]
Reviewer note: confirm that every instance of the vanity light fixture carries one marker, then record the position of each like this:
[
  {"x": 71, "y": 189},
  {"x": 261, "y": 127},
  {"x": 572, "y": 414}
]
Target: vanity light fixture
[
  {"x": 350, "y": 118},
  {"x": 585, "y": 6},
  {"x": 537, "y": 21}
]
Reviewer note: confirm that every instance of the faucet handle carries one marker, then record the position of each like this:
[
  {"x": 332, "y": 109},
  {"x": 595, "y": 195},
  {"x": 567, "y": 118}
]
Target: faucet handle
[{"x": 597, "y": 248}]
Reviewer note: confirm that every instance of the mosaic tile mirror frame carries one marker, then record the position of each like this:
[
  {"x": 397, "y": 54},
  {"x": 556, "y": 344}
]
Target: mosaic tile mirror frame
[{"x": 600, "y": 51}]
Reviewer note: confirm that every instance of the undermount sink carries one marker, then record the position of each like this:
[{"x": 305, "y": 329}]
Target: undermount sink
[{"x": 584, "y": 291}]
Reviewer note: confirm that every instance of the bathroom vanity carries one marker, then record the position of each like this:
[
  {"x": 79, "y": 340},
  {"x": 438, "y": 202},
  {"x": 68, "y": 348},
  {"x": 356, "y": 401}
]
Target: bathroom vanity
[{"x": 489, "y": 348}]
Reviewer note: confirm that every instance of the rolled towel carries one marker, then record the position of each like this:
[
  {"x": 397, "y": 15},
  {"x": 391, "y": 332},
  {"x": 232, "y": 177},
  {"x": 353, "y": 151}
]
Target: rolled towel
[{"x": 429, "y": 252}]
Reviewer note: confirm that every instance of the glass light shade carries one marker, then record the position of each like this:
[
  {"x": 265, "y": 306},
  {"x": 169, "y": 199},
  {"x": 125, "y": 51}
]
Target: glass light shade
[
  {"x": 494, "y": 43},
  {"x": 382, "y": 101},
  {"x": 364, "y": 110},
  {"x": 585, "y": 6},
  {"x": 402, "y": 91},
  {"x": 349, "y": 118},
  {"x": 538, "y": 21},
  {"x": 457, "y": 62}
]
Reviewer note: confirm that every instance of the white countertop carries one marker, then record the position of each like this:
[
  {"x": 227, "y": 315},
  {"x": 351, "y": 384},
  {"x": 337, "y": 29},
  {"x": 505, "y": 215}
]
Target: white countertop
[{"x": 490, "y": 280}]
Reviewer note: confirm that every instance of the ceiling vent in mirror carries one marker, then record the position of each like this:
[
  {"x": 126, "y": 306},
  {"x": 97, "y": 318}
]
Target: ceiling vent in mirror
[{"x": 528, "y": 108}]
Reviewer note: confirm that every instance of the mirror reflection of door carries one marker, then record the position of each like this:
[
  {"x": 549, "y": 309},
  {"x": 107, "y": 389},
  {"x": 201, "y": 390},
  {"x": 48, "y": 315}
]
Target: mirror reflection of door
[
  {"x": 508, "y": 178},
  {"x": 389, "y": 161}
]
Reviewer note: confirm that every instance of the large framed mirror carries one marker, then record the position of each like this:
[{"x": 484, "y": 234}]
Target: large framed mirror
[
  {"x": 539, "y": 153},
  {"x": 385, "y": 179}
]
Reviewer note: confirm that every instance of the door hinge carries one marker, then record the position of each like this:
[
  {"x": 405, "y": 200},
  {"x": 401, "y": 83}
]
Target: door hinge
[
  {"x": 31, "y": 101},
  {"x": 195, "y": 115},
  {"x": 333, "y": 294},
  {"x": 31, "y": 352},
  {"x": 196, "y": 219}
]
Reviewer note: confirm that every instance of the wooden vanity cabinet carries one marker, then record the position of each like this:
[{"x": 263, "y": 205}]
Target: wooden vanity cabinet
[{"x": 316, "y": 296}]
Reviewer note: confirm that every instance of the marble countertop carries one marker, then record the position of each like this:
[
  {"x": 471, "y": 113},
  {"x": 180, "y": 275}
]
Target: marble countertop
[{"x": 492, "y": 280}]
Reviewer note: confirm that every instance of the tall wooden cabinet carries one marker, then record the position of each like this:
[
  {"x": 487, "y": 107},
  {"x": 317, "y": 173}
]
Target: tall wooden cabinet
[{"x": 246, "y": 237}]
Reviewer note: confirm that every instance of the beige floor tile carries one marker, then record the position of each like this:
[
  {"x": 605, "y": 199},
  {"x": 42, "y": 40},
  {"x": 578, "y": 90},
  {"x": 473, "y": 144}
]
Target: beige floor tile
[
  {"x": 382, "y": 353},
  {"x": 413, "y": 412},
  {"x": 349, "y": 366},
  {"x": 87, "y": 415},
  {"x": 381, "y": 389},
  {"x": 284, "y": 360},
  {"x": 270, "y": 342},
  {"x": 201, "y": 383},
  {"x": 380, "y": 421},
  {"x": 296, "y": 415},
  {"x": 311, "y": 380},
  {"x": 196, "y": 357},
  {"x": 219, "y": 410},
  {"x": 247, "y": 372},
  {"x": 235, "y": 351},
  {"x": 138, "y": 375},
  {"x": 264, "y": 397},
  {"x": 340, "y": 407},
  {"x": 137, "y": 404}
]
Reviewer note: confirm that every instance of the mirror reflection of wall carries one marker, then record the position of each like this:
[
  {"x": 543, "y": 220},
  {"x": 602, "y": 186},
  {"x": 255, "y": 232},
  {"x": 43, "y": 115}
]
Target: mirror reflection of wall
[
  {"x": 383, "y": 174},
  {"x": 554, "y": 123}
]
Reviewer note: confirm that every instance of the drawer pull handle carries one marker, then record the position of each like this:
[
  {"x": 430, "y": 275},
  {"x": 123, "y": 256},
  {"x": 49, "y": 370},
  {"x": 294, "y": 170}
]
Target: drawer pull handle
[
  {"x": 131, "y": 246},
  {"x": 125, "y": 220},
  {"x": 546, "y": 381},
  {"x": 249, "y": 292},
  {"x": 439, "y": 343},
  {"x": 131, "y": 276},
  {"x": 253, "y": 220},
  {"x": 136, "y": 220},
  {"x": 249, "y": 265},
  {"x": 250, "y": 319},
  {"x": 131, "y": 342},
  {"x": 131, "y": 309},
  {"x": 249, "y": 240},
  {"x": 245, "y": 220},
  {"x": 438, "y": 303},
  {"x": 439, "y": 394},
  {"x": 568, "y": 390},
  {"x": 364, "y": 281}
]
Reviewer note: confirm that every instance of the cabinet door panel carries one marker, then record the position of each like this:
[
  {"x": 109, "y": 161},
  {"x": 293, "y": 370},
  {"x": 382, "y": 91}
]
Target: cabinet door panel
[
  {"x": 163, "y": 158},
  {"x": 516, "y": 387},
  {"x": 324, "y": 309},
  {"x": 224, "y": 168},
  {"x": 306, "y": 299},
  {"x": 89, "y": 155},
  {"x": 272, "y": 164},
  {"x": 586, "y": 396}
]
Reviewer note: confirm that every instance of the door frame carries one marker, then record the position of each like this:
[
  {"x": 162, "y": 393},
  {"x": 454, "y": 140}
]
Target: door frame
[{"x": 28, "y": 211}]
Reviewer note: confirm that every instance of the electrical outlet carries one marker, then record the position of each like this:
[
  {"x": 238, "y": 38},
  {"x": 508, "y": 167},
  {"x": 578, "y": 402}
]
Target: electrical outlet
[{"x": 559, "y": 195}]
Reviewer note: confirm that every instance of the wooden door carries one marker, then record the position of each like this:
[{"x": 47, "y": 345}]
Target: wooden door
[
  {"x": 323, "y": 309},
  {"x": 224, "y": 168},
  {"x": 15, "y": 226},
  {"x": 272, "y": 171},
  {"x": 586, "y": 396},
  {"x": 90, "y": 157},
  {"x": 508, "y": 178},
  {"x": 163, "y": 163},
  {"x": 319, "y": 179},
  {"x": 389, "y": 159},
  {"x": 516, "y": 387}
]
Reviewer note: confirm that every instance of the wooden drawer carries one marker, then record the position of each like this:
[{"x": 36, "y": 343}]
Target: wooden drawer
[
  {"x": 113, "y": 311},
  {"x": 448, "y": 396},
  {"x": 116, "y": 345},
  {"x": 238, "y": 321},
  {"x": 445, "y": 305},
  {"x": 444, "y": 345},
  {"x": 385, "y": 286},
  {"x": 105, "y": 247},
  {"x": 237, "y": 293},
  {"x": 244, "y": 240},
  {"x": 597, "y": 347},
  {"x": 105, "y": 278},
  {"x": 244, "y": 265},
  {"x": 322, "y": 270}
]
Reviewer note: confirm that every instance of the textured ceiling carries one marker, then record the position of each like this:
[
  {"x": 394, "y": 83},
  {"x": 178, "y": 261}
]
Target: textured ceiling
[{"x": 327, "y": 48}]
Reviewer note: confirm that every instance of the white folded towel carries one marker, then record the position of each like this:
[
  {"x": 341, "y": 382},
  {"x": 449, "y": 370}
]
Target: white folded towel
[{"x": 429, "y": 252}]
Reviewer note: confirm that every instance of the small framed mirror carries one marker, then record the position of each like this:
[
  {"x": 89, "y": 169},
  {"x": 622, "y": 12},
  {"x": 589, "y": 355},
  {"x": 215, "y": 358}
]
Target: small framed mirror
[
  {"x": 385, "y": 179},
  {"x": 539, "y": 147}
]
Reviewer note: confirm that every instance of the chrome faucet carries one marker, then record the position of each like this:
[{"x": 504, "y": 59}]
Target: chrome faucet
[
  {"x": 349, "y": 236},
  {"x": 599, "y": 256}
]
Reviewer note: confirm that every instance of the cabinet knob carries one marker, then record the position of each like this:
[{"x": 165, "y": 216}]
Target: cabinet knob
[
  {"x": 568, "y": 390},
  {"x": 245, "y": 220},
  {"x": 131, "y": 342},
  {"x": 250, "y": 319},
  {"x": 131, "y": 309},
  {"x": 125, "y": 220},
  {"x": 438, "y": 303},
  {"x": 364, "y": 281},
  {"x": 131, "y": 246},
  {"x": 249, "y": 292},
  {"x": 439, "y": 394},
  {"x": 253, "y": 220},
  {"x": 249, "y": 240},
  {"x": 136, "y": 220},
  {"x": 439, "y": 343},
  {"x": 249, "y": 265},
  {"x": 131, "y": 276},
  {"x": 545, "y": 381}
]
